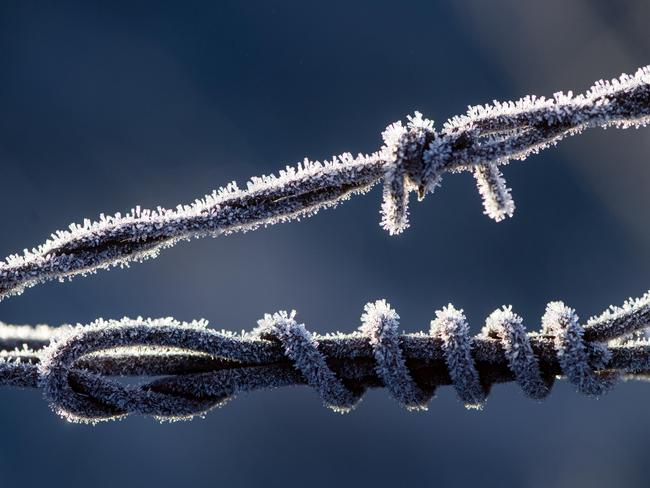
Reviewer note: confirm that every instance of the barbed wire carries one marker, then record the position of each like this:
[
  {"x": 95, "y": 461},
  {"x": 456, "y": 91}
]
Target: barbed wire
[
  {"x": 414, "y": 157},
  {"x": 195, "y": 368}
]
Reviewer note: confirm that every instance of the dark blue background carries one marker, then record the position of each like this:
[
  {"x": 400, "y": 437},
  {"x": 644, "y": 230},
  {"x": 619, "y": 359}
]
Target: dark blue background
[{"x": 105, "y": 105}]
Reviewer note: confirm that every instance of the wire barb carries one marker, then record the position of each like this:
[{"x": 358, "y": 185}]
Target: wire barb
[{"x": 497, "y": 201}]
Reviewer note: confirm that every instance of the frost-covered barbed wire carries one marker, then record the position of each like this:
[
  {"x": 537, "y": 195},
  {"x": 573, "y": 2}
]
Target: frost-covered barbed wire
[
  {"x": 195, "y": 368},
  {"x": 414, "y": 157}
]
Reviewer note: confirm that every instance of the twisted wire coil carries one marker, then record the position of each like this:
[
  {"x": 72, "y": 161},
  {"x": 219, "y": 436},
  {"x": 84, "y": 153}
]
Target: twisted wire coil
[{"x": 201, "y": 368}]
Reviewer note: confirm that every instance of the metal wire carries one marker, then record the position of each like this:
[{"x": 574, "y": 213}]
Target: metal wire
[
  {"x": 194, "y": 368},
  {"x": 414, "y": 157}
]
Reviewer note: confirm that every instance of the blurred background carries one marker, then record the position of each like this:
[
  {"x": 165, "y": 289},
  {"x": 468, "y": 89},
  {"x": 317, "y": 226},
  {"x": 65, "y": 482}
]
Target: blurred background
[{"x": 105, "y": 105}]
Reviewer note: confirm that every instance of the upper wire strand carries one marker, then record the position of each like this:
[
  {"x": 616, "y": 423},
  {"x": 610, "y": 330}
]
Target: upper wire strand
[{"x": 413, "y": 158}]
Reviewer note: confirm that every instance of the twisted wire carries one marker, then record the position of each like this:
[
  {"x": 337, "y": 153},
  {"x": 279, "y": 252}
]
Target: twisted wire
[
  {"x": 196, "y": 369},
  {"x": 508, "y": 328},
  {"x": 380, "y": 324},
  {"x": 451, "y": 327},
  {"x": 301, "y": 348},
  {"x": 414, "y": 157}
]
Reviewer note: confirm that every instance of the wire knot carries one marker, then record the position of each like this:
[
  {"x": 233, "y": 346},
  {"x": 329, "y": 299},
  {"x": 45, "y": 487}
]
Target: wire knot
[
  {"x": 80, "y": 394},
  {"x": 415, "y": 158}
]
